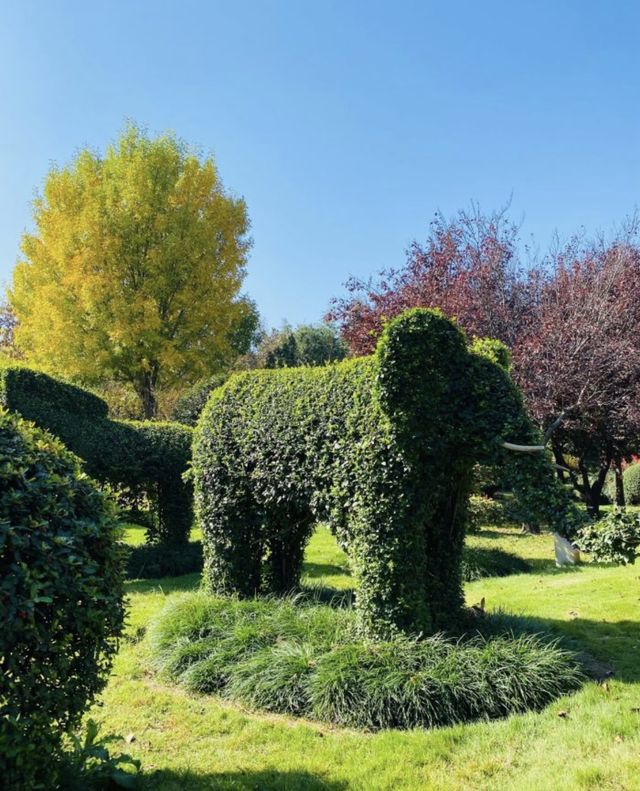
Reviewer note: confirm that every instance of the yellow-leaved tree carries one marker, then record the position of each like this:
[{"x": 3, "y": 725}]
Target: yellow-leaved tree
[{"x": 134, "y": 270}]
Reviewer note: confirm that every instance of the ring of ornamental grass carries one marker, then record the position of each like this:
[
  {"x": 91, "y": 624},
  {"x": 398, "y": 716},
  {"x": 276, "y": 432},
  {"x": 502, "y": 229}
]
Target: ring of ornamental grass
[{"x": 293, "y": 657}]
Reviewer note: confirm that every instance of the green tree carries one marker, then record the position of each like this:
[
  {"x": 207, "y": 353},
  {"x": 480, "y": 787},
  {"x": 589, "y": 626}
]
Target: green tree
[
  {"x": 135, "y": 268},
  {"x": 307, "y": 344}
]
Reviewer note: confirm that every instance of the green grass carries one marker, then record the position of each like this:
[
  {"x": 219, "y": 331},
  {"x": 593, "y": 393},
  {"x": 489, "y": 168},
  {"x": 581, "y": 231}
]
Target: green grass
[{"x": 589, "y": 740}]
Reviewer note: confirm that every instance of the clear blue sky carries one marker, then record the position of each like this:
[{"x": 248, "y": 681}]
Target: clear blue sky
[{"x": 345, "y": 125}]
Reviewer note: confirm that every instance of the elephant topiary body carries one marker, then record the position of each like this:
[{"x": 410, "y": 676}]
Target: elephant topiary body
[{"x": 381, "y": 448}]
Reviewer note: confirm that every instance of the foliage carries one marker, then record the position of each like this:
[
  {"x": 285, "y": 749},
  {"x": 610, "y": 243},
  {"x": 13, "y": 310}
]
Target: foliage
[
  {"x": 483, "y": 511},
  {"x": 299, "y": 659},
  {"x": 189, "y": 406},
  {"x": 613, "y": 539},
  {"x": 360, "y": 445},
  {"x": 631, "y": 480},
  {"x": 89, "y": 765},
  {"x": 571, "y": 321},
  {"x": 479, "y": 562},
  {"x": 468, "y": 267},
  {"x": 8, "y": 323},
  {"x": 579, "y": 360},
  {"x": 61, "y": 597},
  {"x": 134, "y": 270},
  {"x": 144, "y": 459},
  {"x": 305, "y": 345}
]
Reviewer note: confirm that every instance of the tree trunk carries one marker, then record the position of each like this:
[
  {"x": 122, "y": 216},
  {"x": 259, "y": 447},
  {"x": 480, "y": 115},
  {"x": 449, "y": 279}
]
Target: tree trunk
[
  {"x": 592, "y": 491},
  {"x": 146, "y": 389},
  {"x": 617, "y": 467}
]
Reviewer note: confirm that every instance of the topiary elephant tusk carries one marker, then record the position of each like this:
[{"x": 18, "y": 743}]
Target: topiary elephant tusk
[{"x": 523, "y": 448}]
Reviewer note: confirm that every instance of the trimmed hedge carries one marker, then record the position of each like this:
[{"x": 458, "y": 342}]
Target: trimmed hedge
[
  {"x": 146, "y": 459},
  {"x": 381, "y": 448},
  {"x": 307, "y": 660},
  {"x": 61, "y": 599}
]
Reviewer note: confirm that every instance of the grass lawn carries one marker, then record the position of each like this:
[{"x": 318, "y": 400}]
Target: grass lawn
[{"x": 585, "y": 741}]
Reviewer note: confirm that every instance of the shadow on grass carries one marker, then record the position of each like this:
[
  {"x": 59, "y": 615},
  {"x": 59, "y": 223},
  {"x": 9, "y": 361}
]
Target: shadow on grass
[
  {"x": 265, "y": 780},
  {"x": 605, "y": 648},
  {"x": 324, "y": 594},
  {"x": 315, "y": 570},
  {"x": 186, "y": 582}
]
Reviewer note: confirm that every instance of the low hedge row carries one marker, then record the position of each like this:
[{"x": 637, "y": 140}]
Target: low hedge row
[
  {"x": 307, "y": 660},
  {"x": 144, "y": 459}
]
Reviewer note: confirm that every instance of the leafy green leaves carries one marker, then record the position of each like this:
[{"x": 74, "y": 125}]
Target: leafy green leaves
[
  {"x": 61, "y": 597},
  {"x": 613, "y": 539}
]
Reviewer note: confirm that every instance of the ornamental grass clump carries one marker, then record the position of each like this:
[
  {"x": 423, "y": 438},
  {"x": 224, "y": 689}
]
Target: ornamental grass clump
[{"x": 293, "y": 657}]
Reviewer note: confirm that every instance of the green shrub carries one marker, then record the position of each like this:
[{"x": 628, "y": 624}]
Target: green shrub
[
  {"x": 613, "y": 539},
  {"x": 484, "y": 512},
  {"x": 381, "y": 448},
  {"x": 631, "y": 482},
  {"x": 189, "y": 406},
  {"x": 291, "y": 657},
  {"x": 145, "y": 460},
  {"x": 61, "y": 598},
  {"x": 478, "y": 563}
]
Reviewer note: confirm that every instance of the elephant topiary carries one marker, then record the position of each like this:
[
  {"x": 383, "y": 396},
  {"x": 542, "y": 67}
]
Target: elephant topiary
[{"x": 382, "y": 449}]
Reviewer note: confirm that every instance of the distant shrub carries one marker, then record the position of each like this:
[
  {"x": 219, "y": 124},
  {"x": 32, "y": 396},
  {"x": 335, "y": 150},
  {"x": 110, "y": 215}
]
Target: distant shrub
[
  {"x": 484, "y": 512},
  {"x": 631, "y": 482},
  {"x": 290, "y": 657},
  {"x": 478, "y": 563},
  {"x": 61, "y": 598},
  {"x": 613, "y": 539},
  {"x": 146, "y": 460},
  {"x": 189, "y": 406}
]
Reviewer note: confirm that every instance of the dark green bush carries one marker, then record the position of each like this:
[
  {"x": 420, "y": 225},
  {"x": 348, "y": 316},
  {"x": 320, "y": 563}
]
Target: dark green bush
[
  {"x": 613, "y": 539},
  {"x": 631, "y": 482},
  {"x": 484, "y": 511},
  {"x": 290, "y": 657},
  {"x": 189, "y": 406},
  {"x": 381, "y": 448},
  {"x": 61, "y": 598},
  {"x": 146, "y": 460}
]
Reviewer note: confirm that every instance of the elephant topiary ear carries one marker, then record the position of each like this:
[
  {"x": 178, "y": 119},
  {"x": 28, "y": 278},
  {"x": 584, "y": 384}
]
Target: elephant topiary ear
[{"x": 423, "y": 370}]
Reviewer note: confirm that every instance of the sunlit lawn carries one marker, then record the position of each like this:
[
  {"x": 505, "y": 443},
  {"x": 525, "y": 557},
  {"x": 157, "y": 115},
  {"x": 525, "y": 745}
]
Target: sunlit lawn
[{"x": 588, "y": 740}]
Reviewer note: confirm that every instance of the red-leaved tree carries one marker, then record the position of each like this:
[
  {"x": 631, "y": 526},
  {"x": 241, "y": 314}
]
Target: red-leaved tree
[{"x": 572, "y": 323}]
